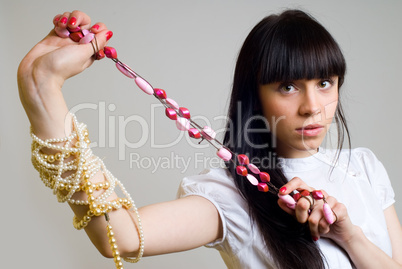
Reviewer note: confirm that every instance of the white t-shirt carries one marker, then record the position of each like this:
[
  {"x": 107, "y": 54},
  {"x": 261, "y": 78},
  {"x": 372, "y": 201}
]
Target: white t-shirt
[{"x": 361, "y": 184}]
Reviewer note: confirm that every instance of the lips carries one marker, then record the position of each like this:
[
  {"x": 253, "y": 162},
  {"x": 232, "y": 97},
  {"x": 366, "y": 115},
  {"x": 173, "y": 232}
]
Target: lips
[{"x": 310, "y": 130}]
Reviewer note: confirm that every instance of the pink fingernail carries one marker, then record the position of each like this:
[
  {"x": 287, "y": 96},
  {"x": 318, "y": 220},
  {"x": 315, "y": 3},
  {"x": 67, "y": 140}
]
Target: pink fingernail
[
  {"x": 63, "y": 20},
  {"x": 96, "y": 27},
  {"x": 283, "y": 189},
  {"x": 56, "y": 19},
  {"x": 109, "y": 35},
  {"x": 73, "y": 21}
]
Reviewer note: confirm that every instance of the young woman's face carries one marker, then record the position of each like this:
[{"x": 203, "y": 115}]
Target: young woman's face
[{"x": 299, "y": 113}]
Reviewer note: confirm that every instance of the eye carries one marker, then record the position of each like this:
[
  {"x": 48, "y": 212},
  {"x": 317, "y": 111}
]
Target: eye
[
  {"x": 325, "y": 84},
  {"x": 287, "y": 88}
]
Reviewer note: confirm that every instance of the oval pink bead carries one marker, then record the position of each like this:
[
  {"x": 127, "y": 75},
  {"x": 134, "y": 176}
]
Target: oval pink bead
[
  {"x": 208, "y": 133},
  {"x": 263, "y": 187},
  {"x": 264, "y": 176},
  {"x": 87, "y": 38},
  {"x": 171, "y": 113},
  {"x": 328, "y": 214},
  {"x": 288, "y": 200},
  {"x": 62, "y": 32},
  {"x": 182, "y": 124},
  {"x": 74, "y": 30},
  {"x": 243, "y": 159},
  {"x": 253, "y": 180},
  {"x": 160, "y": 93},
  {"x": 144, "y": 85},
  {"x": 224, "y": 154},
  {"x": 241, "y": 170},
  {"x": 124, "y": 71},
  {"x": 194, "y": 133},
  {"x": 85, "y": 32},
  {"x": 253, "y": 168},
  {"x": 172, "y": 103},
  {"x": 184, "y": 112}
]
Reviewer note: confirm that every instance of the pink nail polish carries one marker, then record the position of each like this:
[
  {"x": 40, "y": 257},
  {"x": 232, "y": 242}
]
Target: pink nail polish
[
  {"x": 96, "y": 27},
  {"x": 63, "y": 20},
  {"x": 73, "y": 21},
  {"x": 109, "y": 35},
  {"x": 283, "y": 189}
]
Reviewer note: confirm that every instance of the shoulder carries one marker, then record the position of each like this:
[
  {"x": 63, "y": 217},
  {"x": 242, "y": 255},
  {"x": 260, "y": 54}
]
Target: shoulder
[
  {"x": 351, "y": 157},
  {"x": 211, "y": 182}
]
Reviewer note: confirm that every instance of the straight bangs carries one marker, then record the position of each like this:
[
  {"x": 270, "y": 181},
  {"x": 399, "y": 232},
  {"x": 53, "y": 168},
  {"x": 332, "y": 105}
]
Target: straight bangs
[{"x": 299, "y": 48}]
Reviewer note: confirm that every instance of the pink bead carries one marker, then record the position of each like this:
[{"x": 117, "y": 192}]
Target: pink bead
[
  {"x": 184, "y": 112},
  {"x": 74, "y": 30},
  {"x": 241, "y": 170},
  {"x": 264, "y": 177},
  {"x": 110, "y": 52},
  {"x": 296, "y": 196},
  {"x": 208, "y": 133},
  {"x": 252, "y": 179},
  {"x": 194, "y": 133},
  {"x": 144, "y": 85},
  {"x": 85, "y": 32},
  {"x": 243, "y": 159},
  {"x": 62, "y": 32},
  {"x": 253, "y": 168},
  {"x": 318, "y": 195},
  {"x": 290, "y": 202},
  {"x": 87, "y": 39},
  {"x": 171, "y": 113},
  {"x": 224, "y": 154},
  {"x": 182, "y": 124},
  {"x": 160, "y": 93},
  {"x": 172, "y": 103},
  {"x": 263, "y": 187},
  {"x": 124, "y": 71},
  {"x": 328, "y": 214},
  {"x": 76, "y": 37}
]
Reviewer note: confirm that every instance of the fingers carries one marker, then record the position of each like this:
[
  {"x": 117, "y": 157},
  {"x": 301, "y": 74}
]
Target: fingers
[
  {"x": 72, "y": 20},
  {"x": 317, "y": 223},
  {"x": 294, "y": 184},
  {"x": 76, "y": 25}
]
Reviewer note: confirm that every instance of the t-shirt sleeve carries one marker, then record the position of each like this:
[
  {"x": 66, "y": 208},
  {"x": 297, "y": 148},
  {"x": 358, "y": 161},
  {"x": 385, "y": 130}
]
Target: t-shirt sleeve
[
  {"x": 378, "y": 178},
  {"x": 217, "y": 186}
]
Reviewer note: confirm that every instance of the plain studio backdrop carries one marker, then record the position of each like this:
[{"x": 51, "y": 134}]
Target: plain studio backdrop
[{"x": 189, "y": 49}]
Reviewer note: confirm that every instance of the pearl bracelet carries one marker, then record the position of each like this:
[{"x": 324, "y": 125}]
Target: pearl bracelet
[{"x": 68, "y": 177}]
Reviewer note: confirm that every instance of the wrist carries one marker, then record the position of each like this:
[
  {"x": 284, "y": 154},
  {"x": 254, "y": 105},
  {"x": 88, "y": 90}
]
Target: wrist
[{"x": 352, "y": 239}]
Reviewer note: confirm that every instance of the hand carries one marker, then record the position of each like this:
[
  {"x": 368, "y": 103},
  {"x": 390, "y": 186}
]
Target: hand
[
  {"x": 311, "y": 211},
  {"x": 44, "y": 69}
]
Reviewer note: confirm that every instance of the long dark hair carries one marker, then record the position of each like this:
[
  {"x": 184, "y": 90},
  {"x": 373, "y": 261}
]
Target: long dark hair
[{"x": 284, "y": 47}]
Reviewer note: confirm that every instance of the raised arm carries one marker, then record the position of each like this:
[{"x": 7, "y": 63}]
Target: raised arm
[{"x": 168, "y": 227}]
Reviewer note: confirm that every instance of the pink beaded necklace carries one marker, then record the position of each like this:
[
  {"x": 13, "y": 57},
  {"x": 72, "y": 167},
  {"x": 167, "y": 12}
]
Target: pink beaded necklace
[{"x": 184, "y": 123}]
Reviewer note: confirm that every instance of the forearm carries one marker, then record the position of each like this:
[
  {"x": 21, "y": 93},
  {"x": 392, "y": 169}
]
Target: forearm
[
  {"x": 123, "y": 221},
  {"x": 365, "y": 254}
]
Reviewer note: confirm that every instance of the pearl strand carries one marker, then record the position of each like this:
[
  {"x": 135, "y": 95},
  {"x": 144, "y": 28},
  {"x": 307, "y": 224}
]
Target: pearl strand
[{"x": 83, "y": 167}]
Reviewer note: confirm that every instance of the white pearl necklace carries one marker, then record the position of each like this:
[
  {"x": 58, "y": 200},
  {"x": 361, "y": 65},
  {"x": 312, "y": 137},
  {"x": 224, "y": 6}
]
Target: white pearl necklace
[{"x": 67, "y": 177}]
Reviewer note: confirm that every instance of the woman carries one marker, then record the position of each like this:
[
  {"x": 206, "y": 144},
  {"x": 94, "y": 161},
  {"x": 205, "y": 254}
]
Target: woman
[{"x": 287, "y": 78}]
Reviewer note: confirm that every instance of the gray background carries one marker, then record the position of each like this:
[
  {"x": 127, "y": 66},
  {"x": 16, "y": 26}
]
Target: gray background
[{"x": 189, "y": 49}]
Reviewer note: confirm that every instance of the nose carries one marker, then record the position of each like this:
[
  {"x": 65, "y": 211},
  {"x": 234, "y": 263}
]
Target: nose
[{"x": 310, "y": 104}]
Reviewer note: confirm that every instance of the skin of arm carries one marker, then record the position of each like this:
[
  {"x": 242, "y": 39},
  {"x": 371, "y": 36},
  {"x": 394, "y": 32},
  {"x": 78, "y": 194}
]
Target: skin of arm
[
  {"x": 168, "y": 227},
  {"x": 363, "y": 252}
]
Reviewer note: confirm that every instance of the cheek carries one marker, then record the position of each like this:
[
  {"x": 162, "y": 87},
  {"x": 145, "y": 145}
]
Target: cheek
[{"x": 330, "y": 110}]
